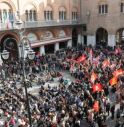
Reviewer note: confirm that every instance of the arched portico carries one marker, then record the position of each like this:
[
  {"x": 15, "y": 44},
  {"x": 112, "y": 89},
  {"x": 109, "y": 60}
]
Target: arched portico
[
  {"x": 120, "y": 36},
  {"x": 9, "y": 42},
  {"x": 101, "y": 37}
]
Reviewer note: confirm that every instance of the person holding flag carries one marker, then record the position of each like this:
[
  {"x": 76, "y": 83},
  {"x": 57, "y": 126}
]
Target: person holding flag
[
  {"x": 105, "y": 63},
  {"x": 81, "y": 58},
  {"x": 94, "y": 76}
]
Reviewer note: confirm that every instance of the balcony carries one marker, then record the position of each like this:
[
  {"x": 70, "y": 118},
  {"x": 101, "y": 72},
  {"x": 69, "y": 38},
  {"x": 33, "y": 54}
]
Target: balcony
[
  {"x": 36, "y": 24},
  {"x": 50, "y": 23}
]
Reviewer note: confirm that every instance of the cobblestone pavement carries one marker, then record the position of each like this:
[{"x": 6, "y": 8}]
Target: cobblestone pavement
[
  {"x": 35, "y": 90},
  {"x": 110, "y": 123}
]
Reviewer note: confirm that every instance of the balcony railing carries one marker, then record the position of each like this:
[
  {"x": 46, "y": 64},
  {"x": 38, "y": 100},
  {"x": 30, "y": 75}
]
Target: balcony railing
[
  {"x": 50, "y": 23},
  {"x": 36, "y": 24}
]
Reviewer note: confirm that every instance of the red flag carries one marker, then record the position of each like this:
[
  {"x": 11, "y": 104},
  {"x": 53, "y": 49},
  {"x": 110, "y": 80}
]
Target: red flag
[
  {"x": 113, "y": 81},
  {"x": 105, "y": 63},
  {"x": 94, "y": 76},
  {"x": 97, "y": 87},
  {"x": 118, "y": 72},
  {"x": 96, "y": 106},
  {"x": 81, "y": 59}
]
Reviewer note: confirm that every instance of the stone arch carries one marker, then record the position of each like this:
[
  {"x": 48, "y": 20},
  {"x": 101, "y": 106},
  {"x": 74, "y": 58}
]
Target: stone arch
[
  {"x": 4, "y": 5},
  {"x": 74, "y": 9},
  {"x": 102, "y": 2},
  {"x": 101, "y": 36},
  {"x": 10, "y": 33},
  {"x": 47, "y": 35},
  {"x": 48, "y": 8},
  {"x": 9, "y": 2},
  {"x": 120, "y": 36},
  {"x": 10, "y": 43},
  {"x": 29, "y": 5},
  {"x": 62, "y": 33},
  {"x": 62, "y": 8},
  {"x": 32, "y": 37}
]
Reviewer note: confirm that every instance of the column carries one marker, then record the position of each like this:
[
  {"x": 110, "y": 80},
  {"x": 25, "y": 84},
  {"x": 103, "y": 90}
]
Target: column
[
  {"x": 111, "y": 40},
  {"x": 2, "y": 16},
  {"x": 69, "y": 44},
  {"x": 48, "y": 16},
  {"x": 79, "y": 39},
  {"x": 32, "y": 17},
  {"x": 91, "y": 40},
  {"x": 56, "y": 47},
  {"x": 28, "y": 15},
  {"x": 7, "y": 15},
  {"x": 1, "y": 61},
  {"x": 19, "y": 51},
  {"x": 42, "y": 50},
  {"x": 82, "y": 42}
]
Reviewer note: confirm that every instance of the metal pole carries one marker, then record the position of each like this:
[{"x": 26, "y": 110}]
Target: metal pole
[{"x": 25, "y": 86}]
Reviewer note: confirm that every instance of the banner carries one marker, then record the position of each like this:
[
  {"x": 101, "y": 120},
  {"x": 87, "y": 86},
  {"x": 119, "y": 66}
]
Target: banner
[
  {"x": 118, "y": 73},
  {"x": 81, "y": 58},
  {"x": 94, "y": 76},
  {"x": 113, "y": 81},
  {"x": 96, "y": 106}
]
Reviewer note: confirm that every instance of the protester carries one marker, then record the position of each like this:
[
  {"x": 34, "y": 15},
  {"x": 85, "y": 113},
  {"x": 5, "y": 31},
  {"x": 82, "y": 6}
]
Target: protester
[{"x": 91, "y": 96}]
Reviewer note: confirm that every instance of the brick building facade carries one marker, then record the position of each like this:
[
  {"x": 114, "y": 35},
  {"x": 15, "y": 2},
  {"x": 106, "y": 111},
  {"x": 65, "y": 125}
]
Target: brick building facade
[
  {"x": 50, "y": 25},
  {"x": 104, "y": 20}
]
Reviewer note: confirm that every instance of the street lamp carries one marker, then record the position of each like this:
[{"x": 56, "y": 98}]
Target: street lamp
[
  {"x": 31, "y": 54},
  {"x": 5, "y": 54},
  {"x": 25, "y": 51}
]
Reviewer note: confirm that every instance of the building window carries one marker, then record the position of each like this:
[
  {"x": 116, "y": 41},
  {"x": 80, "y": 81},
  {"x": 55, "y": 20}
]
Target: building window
[
  {"x": 35, "y": 15},
  {"x": 30, "y": 15},
  {"x": 6, "y": 13},
  {"x": 62, "y": 15},
  {"x": 74, "y": 15},
  {"x": 103, "y": 9},
  {"x": 122, "y": 7},
  {"x": 48, "y": 15},
  {"x": 26, "y": 14},
  {"x": 11, "y": 18},
  {"x": 45, "y": 17}
]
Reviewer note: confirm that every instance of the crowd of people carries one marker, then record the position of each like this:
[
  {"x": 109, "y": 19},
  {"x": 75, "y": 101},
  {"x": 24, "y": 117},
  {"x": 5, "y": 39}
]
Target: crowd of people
[{"x": 89, "y": 97}]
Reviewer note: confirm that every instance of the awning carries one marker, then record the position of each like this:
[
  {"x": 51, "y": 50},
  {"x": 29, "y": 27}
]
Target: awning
[{"x": 37, "y": 44}]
